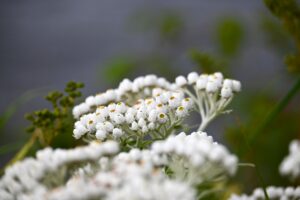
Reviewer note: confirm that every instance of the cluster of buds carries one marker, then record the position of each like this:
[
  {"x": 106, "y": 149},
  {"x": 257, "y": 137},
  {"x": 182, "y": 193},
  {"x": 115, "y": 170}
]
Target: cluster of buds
[
  {"x": 195, "y": 158},
  {"x": 128, "y": 92},
  {"x": 155, "y": 117},
  {"x": 291, "y": 164},
  {"x": 32, "y": 177},
  {"x": 274, "y": 193},
  {"x": 211, "y": 93}
]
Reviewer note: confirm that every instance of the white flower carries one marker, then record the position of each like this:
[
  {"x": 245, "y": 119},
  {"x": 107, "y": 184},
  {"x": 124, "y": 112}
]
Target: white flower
[
  {"x": 291, "y": 164},
  {"x": 142, "y": 86},
  {"x": 27, "y": 179},
  {"x": 134, "y": 126},
  {"x": 211, "y": 86},
  {"x": 202, "y": 81},
  {"x": 195, "y": 158},
  {"x": 181, "y": 111},
  {"x": 192, "y": 77},
  {"x": 187, "y": 103},
  {"x": 226, "y": 92},
  {"x": 152, "y": 115},
  {"x": 162, "y": 118},
  {"x": 101, "y": 134},
  {"x": 117, "y": 132},
  {"x": 236, "y": 86},
  {"x": 125, "y": 86},
  {"x": 121, "y": 107},
  {"x": 108, "y": 126},
  {"x": 174, "y": 101},
  {"x": 118, "y": 118},
  {"x": 274, "y": 193},
  {"x": 180, "y": 81}
]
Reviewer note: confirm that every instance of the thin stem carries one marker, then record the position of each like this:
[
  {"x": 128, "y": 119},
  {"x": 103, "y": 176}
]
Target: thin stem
[{"x": 276, "y": 110}]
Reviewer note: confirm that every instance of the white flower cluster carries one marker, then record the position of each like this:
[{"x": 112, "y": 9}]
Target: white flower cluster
[
  {"x": 33, "y": 176},
  {"x": 124, "y": 180},
  {"x": 274, "y": 193},
  {"x": 211, "y": 93},
  {"x": 155, "y": 116},
  {"x": 128, "y": 91},
  {"x": 195, "y": 158},
  {"x": 140, "y": 179},
  {"x": 291, "y": 164},
  {"x": 127, "y": 176}
]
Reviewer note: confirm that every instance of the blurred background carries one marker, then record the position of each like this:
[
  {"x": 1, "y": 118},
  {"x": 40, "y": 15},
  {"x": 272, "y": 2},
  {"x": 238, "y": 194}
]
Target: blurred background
[{"x": 45, "y": 44}]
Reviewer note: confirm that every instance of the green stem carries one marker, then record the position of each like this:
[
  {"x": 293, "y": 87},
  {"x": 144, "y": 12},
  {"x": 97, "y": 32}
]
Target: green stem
[{"x": 277, "y": 110}]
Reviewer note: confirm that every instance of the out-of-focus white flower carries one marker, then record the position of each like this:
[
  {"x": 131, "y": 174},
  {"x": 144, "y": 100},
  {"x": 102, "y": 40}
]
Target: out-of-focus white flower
[
  {"x": 195, "y": 158},
  {"x": 274, "y": 193},
  {"x": 31, "y": 176},
  {"x": 290, "y": 166}
]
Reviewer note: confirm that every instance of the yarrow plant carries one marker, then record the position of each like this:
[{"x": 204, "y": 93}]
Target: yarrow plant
[{"x": 138, "y": 147}]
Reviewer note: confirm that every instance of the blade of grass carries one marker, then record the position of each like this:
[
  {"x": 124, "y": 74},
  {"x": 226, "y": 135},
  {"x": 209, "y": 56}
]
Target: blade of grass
[
  {"x": 276, "y": 110},
  {"x": 249, "y": 148}
]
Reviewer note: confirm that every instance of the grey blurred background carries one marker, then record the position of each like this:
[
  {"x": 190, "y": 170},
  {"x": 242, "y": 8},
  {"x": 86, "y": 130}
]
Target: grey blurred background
[{"x": 45, "y": 44}]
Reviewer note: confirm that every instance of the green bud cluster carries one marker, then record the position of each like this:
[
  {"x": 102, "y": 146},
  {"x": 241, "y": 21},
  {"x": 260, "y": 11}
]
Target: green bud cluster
[{"x": 47, "y": 123}]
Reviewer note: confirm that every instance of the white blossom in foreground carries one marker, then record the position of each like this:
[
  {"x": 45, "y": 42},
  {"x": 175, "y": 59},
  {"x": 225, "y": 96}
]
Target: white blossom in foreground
[
  {"x": 48, "y": 170},
  {"x": 211, "y": 93},
  {"x": 291, "y": 164},
  {"x": 114, "y": 186},
  {"x": 142, "y": 180},
  {"x": 274, "y": 193},
  {"x": 195, "y": 158},
  {"x": 128, "y": 91},
  {"x": 129, "y": 176},
  {"x": 155, "y": 117}
]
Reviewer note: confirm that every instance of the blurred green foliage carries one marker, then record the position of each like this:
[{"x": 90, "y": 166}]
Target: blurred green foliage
[
  {"x": 276, "y": 37},
  {"x": 167, "y": 24},
  {"x": 288, "y": 12},
  {"x": 229, "y": 36},
  {"x": 270, "y": 146},
  {"x": 118, "y": 68},
  {"x": 51, "y": 127},
  {"x": 206, "y": 62},
  {"x": 15, "y": 105}
]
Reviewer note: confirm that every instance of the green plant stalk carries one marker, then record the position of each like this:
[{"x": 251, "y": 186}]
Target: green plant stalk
[
  {"x": 277, "y": 110},
  {"x": 255, "y": 165},
  {"x": 10, "y": 147},
  {"x": 23, "y": 151}
]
